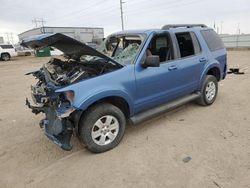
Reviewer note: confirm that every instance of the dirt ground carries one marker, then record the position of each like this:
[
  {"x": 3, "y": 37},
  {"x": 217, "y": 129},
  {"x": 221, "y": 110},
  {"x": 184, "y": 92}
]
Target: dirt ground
[{"x": 217, "y": 138}]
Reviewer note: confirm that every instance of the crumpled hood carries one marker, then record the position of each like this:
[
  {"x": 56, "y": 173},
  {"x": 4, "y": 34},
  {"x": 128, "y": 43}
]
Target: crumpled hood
[{"x": 69, "y": 46}]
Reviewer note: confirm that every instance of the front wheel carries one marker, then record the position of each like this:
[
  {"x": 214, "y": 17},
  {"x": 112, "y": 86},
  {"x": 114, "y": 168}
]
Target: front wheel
[
  {"x": 102, "y": 127},
  {"x": 209, "y": 91},
  {"x": 5, "y": 57}
]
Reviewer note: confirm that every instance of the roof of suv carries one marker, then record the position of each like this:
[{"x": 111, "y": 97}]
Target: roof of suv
[{"x": 175, "y": 28}]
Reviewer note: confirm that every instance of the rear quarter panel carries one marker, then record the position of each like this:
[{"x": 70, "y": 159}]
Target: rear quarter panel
[{"x": 217, "y": 58}]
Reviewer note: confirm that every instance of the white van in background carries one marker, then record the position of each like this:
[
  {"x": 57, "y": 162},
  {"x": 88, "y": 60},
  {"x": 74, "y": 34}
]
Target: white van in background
[
  {"x": 55, "y": 52},
  {"x": 7, "y": 51}
]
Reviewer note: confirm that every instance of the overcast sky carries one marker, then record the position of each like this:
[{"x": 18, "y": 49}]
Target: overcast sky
[{"x": 16, "y": 16}]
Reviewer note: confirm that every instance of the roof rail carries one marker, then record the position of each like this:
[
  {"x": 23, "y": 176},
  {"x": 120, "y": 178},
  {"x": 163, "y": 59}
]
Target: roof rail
[{"x": 182, "y": 25}]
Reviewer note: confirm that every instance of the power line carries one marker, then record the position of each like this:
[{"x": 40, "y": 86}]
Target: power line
[
  {"x": 91, "y": 15},
  {"x": 143, "y": 2},
  {"x": 78, "y": 11},
  {"x": 174, "y": 3},
  {"x": 159, "y": 5},
  {"x": 108, "y": 13}
]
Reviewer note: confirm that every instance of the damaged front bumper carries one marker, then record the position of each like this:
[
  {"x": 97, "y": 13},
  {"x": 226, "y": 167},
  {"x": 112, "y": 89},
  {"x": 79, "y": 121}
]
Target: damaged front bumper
[{"x": 57, "y": 125}]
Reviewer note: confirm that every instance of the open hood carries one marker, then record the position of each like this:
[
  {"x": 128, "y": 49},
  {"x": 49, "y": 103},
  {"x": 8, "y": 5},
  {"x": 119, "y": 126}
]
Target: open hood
[{"x": 69, "y": 46}]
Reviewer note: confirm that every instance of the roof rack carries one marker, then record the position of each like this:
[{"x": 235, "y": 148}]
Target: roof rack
[{"x": 182, "y": 25}]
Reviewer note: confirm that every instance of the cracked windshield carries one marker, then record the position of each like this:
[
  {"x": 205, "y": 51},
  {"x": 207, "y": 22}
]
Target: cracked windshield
[{"x": 122, "y": 49}]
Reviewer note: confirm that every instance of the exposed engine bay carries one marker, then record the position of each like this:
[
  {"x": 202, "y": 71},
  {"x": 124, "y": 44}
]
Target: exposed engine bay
[
  {"x": 58, "y": 73},
  {"x": 70, "y": 71}
]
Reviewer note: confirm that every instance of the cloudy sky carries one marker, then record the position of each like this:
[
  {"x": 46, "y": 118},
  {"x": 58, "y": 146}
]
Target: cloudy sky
[{"x": 16, "y": 16}]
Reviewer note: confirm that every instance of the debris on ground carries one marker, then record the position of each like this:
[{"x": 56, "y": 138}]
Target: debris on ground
[
  {"x": 215, "y": 183},
  {"x": 226, "y": 134},
  {"x": 186, "y": 159},
  {"x": 235, "y": 71}
]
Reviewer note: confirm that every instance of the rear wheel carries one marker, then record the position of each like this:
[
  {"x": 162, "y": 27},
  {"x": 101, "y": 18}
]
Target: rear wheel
[
  {"x": 102, "y": 127},
  {"x": 209, "y": 91},
  {"x": 5, "y": 57}
]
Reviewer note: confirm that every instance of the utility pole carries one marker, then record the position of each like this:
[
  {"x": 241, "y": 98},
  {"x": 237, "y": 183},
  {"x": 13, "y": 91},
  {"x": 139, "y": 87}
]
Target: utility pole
[
  {"x": 35, "y": 21},
  {"x": 238, "y": 29},
  {"x": 121, "y": 2},
  {"x": 10, "y": 38},
  {"x": 221, "y": 23},
  {"x": 7, "y": 36},
  {"x": 39, "y": 21}
]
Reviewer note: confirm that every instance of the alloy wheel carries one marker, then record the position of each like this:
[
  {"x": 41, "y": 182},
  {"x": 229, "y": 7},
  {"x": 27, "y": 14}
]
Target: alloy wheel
[{"x": 105, "y": 130}]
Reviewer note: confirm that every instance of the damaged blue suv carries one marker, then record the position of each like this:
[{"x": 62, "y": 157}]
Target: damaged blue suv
[{"x": 132, "y": 76}]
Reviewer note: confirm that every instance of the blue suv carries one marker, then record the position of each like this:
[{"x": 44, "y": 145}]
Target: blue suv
[{"x": 132, "y": 76}]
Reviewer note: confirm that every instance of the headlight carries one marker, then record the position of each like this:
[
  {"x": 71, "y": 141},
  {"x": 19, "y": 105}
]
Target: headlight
[{"x": 69, "y": 95}]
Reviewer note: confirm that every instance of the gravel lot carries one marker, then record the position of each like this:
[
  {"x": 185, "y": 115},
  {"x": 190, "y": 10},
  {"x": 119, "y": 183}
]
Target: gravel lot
[{"x": 152, "y": 154}]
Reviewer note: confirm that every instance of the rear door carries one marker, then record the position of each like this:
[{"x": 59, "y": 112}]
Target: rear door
[{"x": 189, "y": 63}]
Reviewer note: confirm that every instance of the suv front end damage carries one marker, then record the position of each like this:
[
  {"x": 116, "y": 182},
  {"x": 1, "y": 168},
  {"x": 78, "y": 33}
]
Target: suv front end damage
[
  {"x": 57, "y": 124},
  {"x": 82, "y": 63}
]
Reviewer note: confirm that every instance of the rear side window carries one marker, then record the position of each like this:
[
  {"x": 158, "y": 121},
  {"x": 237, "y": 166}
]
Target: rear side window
[
  {"x": 212, "y": 39},
  {"x": 6, "y": 46},
  {"x": 188, "y": 44}
]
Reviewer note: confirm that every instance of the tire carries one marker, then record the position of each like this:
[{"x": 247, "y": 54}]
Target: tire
[
  {"x": 102, "y": 127},
  {"x": 209, "y": 91},
  {"x": 5, "y": 57},
  {"x": 27, "y": 53}
]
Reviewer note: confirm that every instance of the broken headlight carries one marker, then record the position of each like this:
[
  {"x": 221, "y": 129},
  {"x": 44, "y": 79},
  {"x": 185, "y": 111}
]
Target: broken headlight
[{"x": 69, "y": 95}]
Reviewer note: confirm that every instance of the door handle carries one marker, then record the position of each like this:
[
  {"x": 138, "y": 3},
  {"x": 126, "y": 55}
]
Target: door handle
[
  {"x": 203, "y": 59},
  {"x": 173, "y": 67}
]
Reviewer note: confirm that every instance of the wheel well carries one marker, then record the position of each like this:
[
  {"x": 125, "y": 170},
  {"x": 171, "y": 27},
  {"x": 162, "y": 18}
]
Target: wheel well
[
  {"x": 5, "y": 53},
  {"x": 118, "y": 102},
  {"x": 215, "y": 72}
]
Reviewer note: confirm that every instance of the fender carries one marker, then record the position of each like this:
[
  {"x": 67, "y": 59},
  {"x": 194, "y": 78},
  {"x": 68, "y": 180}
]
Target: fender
[
  {"x": 86, "y": 102},
  {"x": 207, "y": 67}
]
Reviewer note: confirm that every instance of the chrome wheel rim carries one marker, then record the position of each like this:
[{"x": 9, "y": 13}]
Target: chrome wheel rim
[
  {"x": 210, "y": 91},
  {"x": 105, "y": 130}
]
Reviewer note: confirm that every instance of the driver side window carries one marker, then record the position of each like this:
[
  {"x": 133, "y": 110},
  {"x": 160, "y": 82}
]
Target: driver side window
[{"x": 160, "y": 46}]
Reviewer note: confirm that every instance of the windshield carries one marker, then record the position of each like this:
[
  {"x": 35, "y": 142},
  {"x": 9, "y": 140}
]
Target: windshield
[{"x": 122, "y": 49}]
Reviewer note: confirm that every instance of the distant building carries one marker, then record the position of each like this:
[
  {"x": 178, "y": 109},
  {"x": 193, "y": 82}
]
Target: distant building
[
  {"x": 83, "y": 34},
  {"x": 1, "y": 40},
  {"x": 236, "y": 41}
]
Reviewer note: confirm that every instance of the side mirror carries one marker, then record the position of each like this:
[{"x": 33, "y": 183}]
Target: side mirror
[{"x": 151, "y": 61}]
